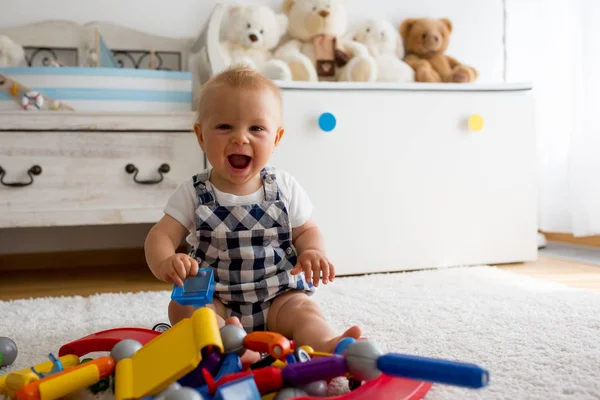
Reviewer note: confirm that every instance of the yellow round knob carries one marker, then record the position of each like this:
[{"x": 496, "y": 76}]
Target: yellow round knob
[{"x": 476, "y": 122}]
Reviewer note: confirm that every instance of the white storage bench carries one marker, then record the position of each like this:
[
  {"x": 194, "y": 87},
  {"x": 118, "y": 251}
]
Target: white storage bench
[{"x": 403, "y": 181}]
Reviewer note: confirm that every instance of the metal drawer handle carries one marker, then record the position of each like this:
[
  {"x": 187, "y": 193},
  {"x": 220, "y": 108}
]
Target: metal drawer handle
[
  {"x": 132, "y": 169},
  {"x": 35, "y": 170}
]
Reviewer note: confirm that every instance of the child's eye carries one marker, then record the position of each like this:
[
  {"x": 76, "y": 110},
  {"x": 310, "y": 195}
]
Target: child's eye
[
  {"x": 262, "y": 31},
  {"x": 256, "y": 128},
  {"x": 223, "y": 127},
  {"x": 249, "y": 26}
]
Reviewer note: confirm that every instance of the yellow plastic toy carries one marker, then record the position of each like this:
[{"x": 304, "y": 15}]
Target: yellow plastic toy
[
  {"x": 168, "y": 357},
  {"x": 15, "y": 380},
  {"x": 70, "y": 380}
]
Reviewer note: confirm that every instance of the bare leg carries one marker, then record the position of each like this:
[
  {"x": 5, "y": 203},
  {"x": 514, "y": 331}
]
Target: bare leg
[
  {"x": 296, "y": 316},
  {"x": 178, "y": 312}
]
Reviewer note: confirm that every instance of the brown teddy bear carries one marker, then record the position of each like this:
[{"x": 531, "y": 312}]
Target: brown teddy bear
[{"x": 425, "y": 41}]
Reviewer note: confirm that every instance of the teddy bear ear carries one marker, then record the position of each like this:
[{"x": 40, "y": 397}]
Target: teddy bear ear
[
  {"x": 287, "y": 6},
  {"x": 406, "y": 26},
  {"x": 448, "y": 23},
  {"x": 282, "y": 21}
]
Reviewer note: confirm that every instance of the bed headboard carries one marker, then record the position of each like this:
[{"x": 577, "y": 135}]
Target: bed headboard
[{"x": 70, "y": 44}]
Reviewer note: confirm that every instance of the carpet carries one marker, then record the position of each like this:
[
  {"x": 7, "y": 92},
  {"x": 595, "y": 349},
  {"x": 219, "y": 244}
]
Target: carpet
[{"x": 539, "y": 340}]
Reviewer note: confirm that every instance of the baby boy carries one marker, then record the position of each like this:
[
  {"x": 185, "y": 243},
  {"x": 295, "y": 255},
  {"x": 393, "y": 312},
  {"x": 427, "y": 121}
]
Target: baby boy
[{"x": 248, "y": 222}]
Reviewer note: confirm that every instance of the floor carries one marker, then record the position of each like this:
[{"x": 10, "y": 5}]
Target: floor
[{"x": 135, "y": 278}]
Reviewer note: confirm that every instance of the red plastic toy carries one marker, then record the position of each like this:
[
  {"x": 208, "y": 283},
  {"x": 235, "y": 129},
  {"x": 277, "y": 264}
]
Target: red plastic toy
[
  {"x": 383, "y": 388},
  {"x": 105, "y": 340},
  {"x": 267, "y": 379}
]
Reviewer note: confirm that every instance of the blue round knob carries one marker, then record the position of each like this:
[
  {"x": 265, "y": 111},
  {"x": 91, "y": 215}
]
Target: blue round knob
[{"x": 327, "y": 122}]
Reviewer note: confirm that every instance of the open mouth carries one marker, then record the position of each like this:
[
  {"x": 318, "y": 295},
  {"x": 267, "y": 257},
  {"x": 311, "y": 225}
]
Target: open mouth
[{"x": 239, "y": 161}]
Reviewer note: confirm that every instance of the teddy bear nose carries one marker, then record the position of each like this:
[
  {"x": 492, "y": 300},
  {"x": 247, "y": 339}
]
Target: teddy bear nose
[
  {"x": 431, "y": 37},
  {"x": 324, "y": 13},
  {"x": 253, "y": 37}
]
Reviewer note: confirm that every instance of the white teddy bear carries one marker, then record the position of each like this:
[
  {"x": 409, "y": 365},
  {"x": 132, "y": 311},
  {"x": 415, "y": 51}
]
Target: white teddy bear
[
  {"x": 251, "y": 32},
  {"x": 317, "y": 49},
  {"x": 386, "y": 46},
  {"x": 11, "y": 53}
]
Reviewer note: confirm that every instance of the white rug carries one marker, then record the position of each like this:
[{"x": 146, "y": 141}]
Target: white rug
[{"x": 539, "y": 340}]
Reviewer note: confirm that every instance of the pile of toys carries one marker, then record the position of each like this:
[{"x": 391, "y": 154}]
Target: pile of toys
[{"x": 195, "y": 360}]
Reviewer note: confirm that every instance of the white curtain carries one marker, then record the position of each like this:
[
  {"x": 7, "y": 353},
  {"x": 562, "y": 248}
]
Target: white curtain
[
  {"x": 555, "y": 44},
  {"x": 584, "y": 156}
]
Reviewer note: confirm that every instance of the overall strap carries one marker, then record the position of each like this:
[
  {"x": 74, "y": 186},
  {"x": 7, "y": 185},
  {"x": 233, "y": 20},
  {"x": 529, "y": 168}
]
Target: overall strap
[
  {"x": 202, "y": 193},
  {"x": 269, "y": 181}
]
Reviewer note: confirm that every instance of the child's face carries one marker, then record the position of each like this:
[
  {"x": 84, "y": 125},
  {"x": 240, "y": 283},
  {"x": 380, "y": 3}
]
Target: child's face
[{"x": 238, "y": 131}]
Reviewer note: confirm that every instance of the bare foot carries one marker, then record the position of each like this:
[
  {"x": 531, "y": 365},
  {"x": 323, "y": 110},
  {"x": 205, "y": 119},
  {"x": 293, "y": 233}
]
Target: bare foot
[
  {"x": 353, "y": 332},
  {"x": 249, "y": 357}
]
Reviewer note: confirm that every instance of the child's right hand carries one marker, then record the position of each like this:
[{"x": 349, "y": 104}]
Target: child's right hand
[{"x": 178, "y": 267}]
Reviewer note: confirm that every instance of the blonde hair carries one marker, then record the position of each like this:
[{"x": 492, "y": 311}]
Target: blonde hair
[{"x": 237, "y": 78}]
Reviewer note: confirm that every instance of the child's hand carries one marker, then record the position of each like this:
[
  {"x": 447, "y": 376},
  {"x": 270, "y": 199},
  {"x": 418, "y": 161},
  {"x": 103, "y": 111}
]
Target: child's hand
[
  {"x": 178, "y": 267},
  {"x": 315, "y": 266}
]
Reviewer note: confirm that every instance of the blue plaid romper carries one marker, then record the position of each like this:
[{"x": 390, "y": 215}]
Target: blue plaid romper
[{"x": 250, "y": 248}]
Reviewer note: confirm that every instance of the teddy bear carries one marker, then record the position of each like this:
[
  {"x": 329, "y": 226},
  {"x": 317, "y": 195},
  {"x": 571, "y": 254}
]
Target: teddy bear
[
  {"x": 11, "y": 53},
  {"x": 250, "y": 33},
  {"x": 317, "y": 49},
  {"x": 385, "y": 45},
  {"x": 425, "y": 41}
]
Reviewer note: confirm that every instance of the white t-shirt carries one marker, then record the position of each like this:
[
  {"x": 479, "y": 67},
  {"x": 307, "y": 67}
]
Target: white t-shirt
[{"x": 183, "y": 202}]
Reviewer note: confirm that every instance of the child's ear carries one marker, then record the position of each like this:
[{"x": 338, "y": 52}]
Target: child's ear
[
  {"x": 278, "y": 136},
  {"x": 198, "y": 131}
]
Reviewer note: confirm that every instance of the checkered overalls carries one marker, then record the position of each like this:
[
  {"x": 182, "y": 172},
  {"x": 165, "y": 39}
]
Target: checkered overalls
[{"x": 250, "y": 249}]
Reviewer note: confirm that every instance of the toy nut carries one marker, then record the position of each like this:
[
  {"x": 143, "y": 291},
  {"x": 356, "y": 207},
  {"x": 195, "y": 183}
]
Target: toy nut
[
  {"x": 233, "y": 339},
  {"x": 289, "y": 393},
  {"x": 125, "y": 349},
  {"x": 318, "y": 388},
  {"x": 361, "y": 358},
  {"x": 171, "y": 388},
  {"x": 184, "y": 393},
  {"x": 8, "y": 351}
]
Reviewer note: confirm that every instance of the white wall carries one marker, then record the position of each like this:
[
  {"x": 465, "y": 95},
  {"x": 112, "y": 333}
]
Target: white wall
[{"x": 477, "y": 40}]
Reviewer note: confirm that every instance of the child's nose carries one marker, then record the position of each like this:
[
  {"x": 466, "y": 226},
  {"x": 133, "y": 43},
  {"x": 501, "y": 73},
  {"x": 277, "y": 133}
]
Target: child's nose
[{"x": 239, "y": 137}]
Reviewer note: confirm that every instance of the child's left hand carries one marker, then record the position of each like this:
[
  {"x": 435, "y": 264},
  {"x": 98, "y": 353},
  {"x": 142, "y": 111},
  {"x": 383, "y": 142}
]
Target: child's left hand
[{"x": 315, "y": 266}]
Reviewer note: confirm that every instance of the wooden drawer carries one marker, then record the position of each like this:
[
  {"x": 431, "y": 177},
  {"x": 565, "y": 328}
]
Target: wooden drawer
[
  {"x": 84, "y": 178},
  {"x": 403, "y": 183}
]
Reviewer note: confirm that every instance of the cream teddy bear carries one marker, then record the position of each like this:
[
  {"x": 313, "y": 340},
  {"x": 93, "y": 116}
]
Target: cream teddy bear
[
  {"x": 251, "y": 32},
  {"x": 11, "y": 53},
  {"x": 317, "y": 49},
  {"x": 385, "y": 45}
]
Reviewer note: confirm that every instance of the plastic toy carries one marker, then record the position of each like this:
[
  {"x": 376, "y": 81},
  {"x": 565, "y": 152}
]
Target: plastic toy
[
  {"x": 440, "y": 371},
  {"x": 241, "y": 389},
  {"x": 8, "y": 351},
  {"x": 289, "y": 393},
  {"x": 102, "y": 385},
  {"x": 56, "y": 367},
  {"x": 106, "y": 340},
  {"x": 196, "y": 378},
  {"x": 68, "y": 381},
  {"x": 183, "y": 394},
  {"x": 125, "y": 349},
  {"x": 161, "y": 327},
  {"x": 318, "y": 388},
  {"x": 169, "y": 357},
  {"x": 362, "y": 357},
  {"x": 267, "y": 379},
  {"x": 272, "y": 343},
  {"x": 196, "y": 291},
  {"x": 233, "y": 339},
  {"x": 15, "y": 380}
]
